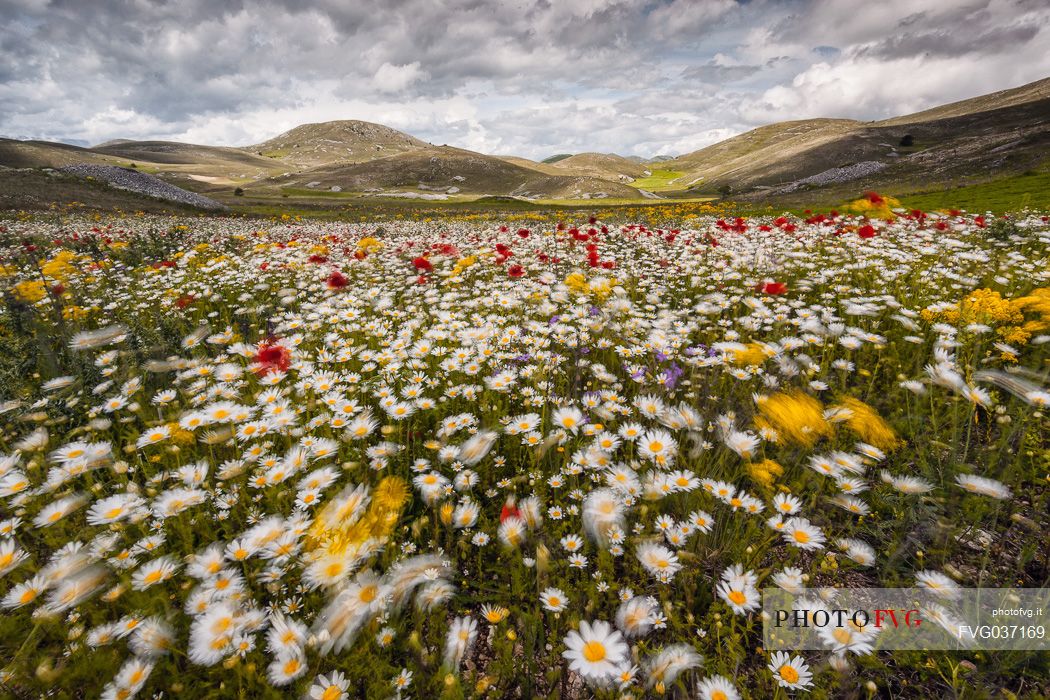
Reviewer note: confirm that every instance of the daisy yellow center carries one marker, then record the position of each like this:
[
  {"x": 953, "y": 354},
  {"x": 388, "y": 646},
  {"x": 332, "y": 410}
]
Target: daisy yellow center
[
  {"x": 554, "y": 601},
  {"x": 737, "y": 597},
  {"x": 594, "y": 651},
  {"x": 153, "y": 576},
  {"x": 292, "y": 666},
  {"x": 656, "y": 446},
  {"x": 842, "y": 635},
  {"x": 719, "y": 695},
  {"x": 788, "y": 673},
  {"x": 332, "y": 692},
  {"x": 28, "y": 596},
  {"x": 368, "y": 594},
  {"x": 801, "y": 536}
]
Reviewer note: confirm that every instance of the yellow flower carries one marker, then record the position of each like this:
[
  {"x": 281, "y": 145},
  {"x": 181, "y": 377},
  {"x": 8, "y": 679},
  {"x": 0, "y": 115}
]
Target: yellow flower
[
  {"x": 880, "y": 209},
  {"x": 577, "y": 282},
  {"x": 180, "y": 436},
  {"x": 30, "y": 290},
  {"x": 368, "y": 244},
  {"x": 330, "y": 534},
  {"x": 796, "y": 417},
  {"x": 868, "y": 425},
  {"x": 75, "y": 313},
  {"x": 752, "y": 355},
  {"x": 765, "y": 472}
]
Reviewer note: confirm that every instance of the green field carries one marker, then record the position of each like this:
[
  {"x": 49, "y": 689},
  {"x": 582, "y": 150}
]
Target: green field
[
  {"x": 1013, "y": 193},
  {"x": 659, "y": 181}
]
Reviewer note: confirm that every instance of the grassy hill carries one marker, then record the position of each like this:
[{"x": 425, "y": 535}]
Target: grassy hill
[
  {"x": 45, "y": 154},
  {"x": 345, "y": 141},
  {"x": 444, "y": 170},
  {"x": 768, "y": 153},
  {"x": 967, "y": 142},
  {"x": 605, "y": 166},
  {"x": 993, "y": 149}
]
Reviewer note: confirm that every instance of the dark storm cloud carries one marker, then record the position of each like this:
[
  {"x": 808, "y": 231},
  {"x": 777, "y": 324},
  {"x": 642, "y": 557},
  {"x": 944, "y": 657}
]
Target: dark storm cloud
[{"x": 523, "y": 76}]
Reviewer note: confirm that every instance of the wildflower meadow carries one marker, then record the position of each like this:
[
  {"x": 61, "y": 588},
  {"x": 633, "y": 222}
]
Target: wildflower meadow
[{"x": 555, "y": 457}]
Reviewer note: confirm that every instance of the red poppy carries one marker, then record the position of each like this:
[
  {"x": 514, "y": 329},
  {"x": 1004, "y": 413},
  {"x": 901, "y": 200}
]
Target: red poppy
[
  {"x": 317, "y": 258},
  {"x": 773, "y": 288},
  {"x": 516, "y": 271},
  {"x": 185, "y": 300},
  {"x": 337, "y": 280},
  {"x": 422, "y": 264},
  {"x": 272, "y": 357},
  {"x": 509, "y": 510},
  {"x": 866, "y": 231}
]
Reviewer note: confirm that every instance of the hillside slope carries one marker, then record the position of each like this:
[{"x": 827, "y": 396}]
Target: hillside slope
[
  {"x": 46, "y": 154},
  {"x": 1003, "y": 133},
  {"x": 757, "y": 155},
  {"x": 446, "y": 170},
  {"x": 1032, "y": 92},
  {"x": 605, "y": 166},
  {"x": 345, "y": 141}
]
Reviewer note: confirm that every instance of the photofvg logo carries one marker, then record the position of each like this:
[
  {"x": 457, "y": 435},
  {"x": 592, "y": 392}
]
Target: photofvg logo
[{"x": 862, "y": 620}]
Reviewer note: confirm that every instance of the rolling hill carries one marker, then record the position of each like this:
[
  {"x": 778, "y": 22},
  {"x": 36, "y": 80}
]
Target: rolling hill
[
  {"x": 443, "y": 170},
  {"x": 966, "y": 143},
  {"x": 605, "y": 166},
  {"x": 45, "y": 154},
  {"x": 346, "y": 141},
  {"x": 1007, "y": 132}
]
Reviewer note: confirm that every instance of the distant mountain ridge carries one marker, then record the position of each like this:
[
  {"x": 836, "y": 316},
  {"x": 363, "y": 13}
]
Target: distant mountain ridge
[{"x": 1003, "y": 132}]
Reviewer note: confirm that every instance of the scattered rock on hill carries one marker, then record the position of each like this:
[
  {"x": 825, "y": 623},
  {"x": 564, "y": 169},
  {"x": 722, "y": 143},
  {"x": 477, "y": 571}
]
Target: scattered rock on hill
[{"x": 134, "y": 181}]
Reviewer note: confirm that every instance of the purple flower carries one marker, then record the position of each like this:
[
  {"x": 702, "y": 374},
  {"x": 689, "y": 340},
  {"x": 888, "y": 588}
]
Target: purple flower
[{"x": 671, "y": 376}]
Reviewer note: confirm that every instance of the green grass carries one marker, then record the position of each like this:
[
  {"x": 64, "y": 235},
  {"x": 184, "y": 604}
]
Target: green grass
[
  {"x": 1011, "y": 193},
  {"x": 659, "y": 180}
]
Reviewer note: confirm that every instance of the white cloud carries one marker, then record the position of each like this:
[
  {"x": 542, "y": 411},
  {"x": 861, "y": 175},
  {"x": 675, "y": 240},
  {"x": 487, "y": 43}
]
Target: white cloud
[
  {"x": 390, "y": 78},
  {"x": 531, "y": 78}
]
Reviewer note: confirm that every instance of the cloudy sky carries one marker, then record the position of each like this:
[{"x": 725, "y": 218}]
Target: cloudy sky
[{"x": 522, "y": 77}]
